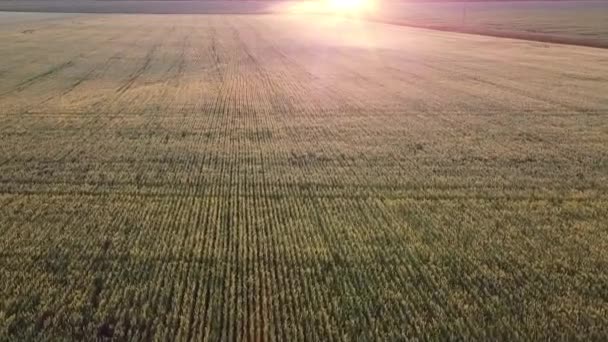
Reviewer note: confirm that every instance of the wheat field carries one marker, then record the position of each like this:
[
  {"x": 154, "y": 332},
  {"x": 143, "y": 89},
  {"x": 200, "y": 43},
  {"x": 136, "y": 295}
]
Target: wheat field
[{"x": 285, "y": 177}]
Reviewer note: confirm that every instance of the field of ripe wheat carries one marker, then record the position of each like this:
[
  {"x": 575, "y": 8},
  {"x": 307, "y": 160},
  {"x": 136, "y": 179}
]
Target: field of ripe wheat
[{"x": 284, "y": 177}]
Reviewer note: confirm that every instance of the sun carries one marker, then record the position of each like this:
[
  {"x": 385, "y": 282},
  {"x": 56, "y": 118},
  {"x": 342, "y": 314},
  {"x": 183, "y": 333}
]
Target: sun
[{"x": 350, "y": 6}]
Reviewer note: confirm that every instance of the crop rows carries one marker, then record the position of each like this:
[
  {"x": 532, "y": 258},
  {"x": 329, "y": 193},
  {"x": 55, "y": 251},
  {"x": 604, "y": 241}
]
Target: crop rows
[{"x": 273, "y": 178}]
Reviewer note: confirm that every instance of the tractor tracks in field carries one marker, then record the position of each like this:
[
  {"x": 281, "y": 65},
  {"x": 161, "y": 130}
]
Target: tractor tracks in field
[
  {"x": 160, "y": 80},
  {"x": 132, "y": 78},
  {"x": 180, "y": 65},
  {"x": 72, "y": 62},
  {"x": 97, "y": 120},
  {"x": 49, "y": 73},
  {"x": 95, "y": 70},
  {"x": 217, "y": 62}
]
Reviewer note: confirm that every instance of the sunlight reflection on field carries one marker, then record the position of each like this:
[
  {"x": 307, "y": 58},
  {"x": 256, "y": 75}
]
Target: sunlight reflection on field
[
  {"x": 343, "y": 31},
  {"x": 351, "y": 8}
]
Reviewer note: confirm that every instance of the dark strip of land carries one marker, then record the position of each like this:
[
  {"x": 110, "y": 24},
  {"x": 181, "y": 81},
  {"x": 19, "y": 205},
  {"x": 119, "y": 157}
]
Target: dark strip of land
[{"x": 537, "y": 37}]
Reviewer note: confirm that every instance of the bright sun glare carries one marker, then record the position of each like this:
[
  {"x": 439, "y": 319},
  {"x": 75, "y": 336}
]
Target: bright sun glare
[
  {"x": 339, "y": 7},
  {"x": 349, "y": 6}
]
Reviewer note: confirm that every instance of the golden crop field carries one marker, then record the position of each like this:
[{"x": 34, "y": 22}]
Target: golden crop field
[{"x": 286, "y": 178}]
